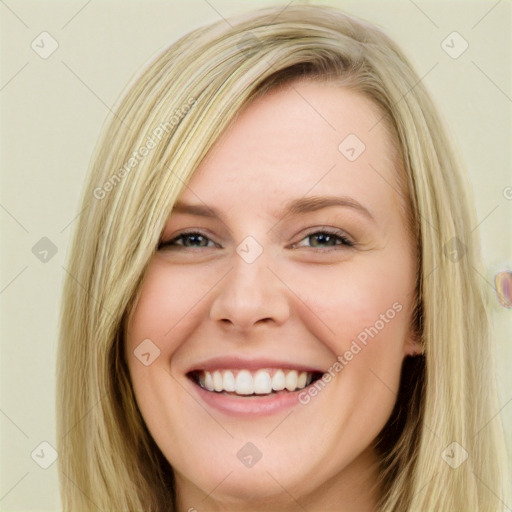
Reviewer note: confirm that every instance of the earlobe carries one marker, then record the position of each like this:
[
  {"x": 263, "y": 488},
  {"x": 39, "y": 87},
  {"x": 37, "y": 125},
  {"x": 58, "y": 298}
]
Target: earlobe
[
  {"x": 413, "y": 346},
  {"x": 415, "y": 351}
]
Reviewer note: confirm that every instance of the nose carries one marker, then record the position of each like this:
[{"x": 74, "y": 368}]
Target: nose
[{"x": 249, "y": 295}]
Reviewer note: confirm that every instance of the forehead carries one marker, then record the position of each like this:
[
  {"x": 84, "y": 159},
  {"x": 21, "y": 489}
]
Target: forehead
[{"x": 303, "y": 138}]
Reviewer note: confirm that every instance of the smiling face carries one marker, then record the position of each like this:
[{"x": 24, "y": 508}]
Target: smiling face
[{"x": 297, "y": 262}]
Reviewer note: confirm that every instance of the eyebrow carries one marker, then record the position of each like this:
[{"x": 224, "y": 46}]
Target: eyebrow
[{"x": 293, "y": 207}]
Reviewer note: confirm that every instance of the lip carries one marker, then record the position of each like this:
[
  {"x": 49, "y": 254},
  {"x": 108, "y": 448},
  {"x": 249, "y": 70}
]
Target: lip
[
  {"x": 240, "y": 363},
  {"x": 251, "y": 406},
  {"x": 236, "y": 406}
]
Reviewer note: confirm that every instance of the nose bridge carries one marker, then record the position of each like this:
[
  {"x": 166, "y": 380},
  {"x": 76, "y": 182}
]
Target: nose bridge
[{"x": 250, "y": 292}]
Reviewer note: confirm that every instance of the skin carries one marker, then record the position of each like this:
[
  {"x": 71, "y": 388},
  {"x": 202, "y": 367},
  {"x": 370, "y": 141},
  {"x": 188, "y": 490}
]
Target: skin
[{"x": 302, "y": 300}]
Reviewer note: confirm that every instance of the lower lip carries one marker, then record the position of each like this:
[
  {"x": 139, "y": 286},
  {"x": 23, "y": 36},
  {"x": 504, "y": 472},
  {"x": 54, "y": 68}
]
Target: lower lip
[{"x": 252, "y": 405}]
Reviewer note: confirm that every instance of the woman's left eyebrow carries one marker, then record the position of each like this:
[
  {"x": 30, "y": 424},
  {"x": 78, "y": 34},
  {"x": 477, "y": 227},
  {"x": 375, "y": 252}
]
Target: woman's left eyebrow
[
  {"x": 314, "y": 203},
  {"x": 293, "y": 207}
]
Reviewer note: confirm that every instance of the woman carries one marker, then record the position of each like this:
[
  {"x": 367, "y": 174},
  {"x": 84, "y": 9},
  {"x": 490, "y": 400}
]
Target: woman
[{"x": 272, "y": 301}]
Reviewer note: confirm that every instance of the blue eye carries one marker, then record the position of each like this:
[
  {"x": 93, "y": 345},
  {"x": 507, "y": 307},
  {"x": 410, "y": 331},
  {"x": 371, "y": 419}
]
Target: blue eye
[
  {"x": 323, "y": 239},
  {"x": 190, "y": 239},
  {"x": 317, "y": 239}
]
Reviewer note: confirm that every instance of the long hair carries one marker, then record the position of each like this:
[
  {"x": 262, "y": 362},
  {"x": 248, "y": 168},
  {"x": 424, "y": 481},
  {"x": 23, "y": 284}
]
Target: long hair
[{"x": 167, "y": 119}]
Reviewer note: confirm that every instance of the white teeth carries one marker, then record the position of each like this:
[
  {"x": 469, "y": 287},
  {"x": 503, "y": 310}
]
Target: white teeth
[
  {"x": 243, "y": 382},
  {"x": 301, "y": 380},
  {"x": 278, "y": 381},
  {"x": 208, "y": 381},
  {"x": 218, "y": 383},
  {"x": 262, "y": 383},
  {"x": 291, "y": 380},
  {"x": 229, "y": 381}
]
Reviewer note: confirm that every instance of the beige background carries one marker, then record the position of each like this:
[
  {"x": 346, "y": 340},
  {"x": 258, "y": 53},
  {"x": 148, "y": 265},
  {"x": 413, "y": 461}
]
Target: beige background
[{"x": 52, "y": 110}]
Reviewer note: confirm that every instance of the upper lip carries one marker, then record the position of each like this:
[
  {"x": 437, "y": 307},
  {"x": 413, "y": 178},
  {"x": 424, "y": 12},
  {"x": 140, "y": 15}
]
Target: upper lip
[{"x": 240, "y": 363}]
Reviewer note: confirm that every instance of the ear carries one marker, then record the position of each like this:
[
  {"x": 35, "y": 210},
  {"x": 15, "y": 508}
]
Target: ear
[{"x": 413, "y": 345}]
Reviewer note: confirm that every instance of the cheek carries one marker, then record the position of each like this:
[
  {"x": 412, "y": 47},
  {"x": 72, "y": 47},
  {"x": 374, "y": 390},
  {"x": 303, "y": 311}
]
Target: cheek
[
  {"x": 368, "y": 315},
  {"x": 168, "y": 303},
  {"x": 359, "y": 301},
  {"x": 165, "y": 314},
  {"x": 365, "y": 305}
]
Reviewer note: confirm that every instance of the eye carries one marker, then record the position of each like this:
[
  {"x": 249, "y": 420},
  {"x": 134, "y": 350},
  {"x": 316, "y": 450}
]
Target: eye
[
  {"x": 325, "y": 238},
  {"x": 189, "y": 239}
]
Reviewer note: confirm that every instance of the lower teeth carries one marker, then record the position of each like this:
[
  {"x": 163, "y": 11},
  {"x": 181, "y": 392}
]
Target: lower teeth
[{"x": 233, "y": 393}]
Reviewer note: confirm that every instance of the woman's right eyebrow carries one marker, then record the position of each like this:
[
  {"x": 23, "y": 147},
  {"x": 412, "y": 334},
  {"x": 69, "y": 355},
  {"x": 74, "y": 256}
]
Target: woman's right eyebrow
[
  {"x": 294, "y": 207},
  {"x": 201, "y": 210}
]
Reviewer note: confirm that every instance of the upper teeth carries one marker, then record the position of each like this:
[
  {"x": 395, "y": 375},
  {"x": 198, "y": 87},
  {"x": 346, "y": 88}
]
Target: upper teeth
[{"x": 261, "y": 382}]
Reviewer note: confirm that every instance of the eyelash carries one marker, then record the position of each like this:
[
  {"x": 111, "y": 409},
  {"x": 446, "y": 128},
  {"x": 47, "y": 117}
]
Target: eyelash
[{"x": 340, "y": 236}]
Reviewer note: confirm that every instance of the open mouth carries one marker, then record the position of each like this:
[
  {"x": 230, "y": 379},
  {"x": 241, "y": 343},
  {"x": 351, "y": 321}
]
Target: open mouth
[{"x": 247, "y": 383}]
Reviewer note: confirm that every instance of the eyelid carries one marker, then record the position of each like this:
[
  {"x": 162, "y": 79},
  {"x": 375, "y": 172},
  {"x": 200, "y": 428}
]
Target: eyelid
[
  {"x": 349, "y": 241},
  {"x": 346, "y": 240},
  {"x": 163, "y": 242}
]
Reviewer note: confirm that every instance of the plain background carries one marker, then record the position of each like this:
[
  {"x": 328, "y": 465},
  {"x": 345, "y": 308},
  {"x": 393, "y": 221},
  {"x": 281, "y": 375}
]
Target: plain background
[{"x": 52, "y": 111}]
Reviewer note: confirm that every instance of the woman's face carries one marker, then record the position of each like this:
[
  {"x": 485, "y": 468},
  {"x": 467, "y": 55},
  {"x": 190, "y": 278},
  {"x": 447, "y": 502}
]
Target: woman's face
[{"x": 297, "y": 263}]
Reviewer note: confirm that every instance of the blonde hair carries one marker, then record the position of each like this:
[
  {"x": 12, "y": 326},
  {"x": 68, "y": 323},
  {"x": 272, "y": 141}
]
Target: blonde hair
[{"x": 176, "y": 108}]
